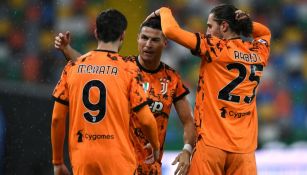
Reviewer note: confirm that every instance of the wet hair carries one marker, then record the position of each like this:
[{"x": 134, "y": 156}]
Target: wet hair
[
  {"x": 110, "y": 25},
  {"x": 153, "y": 22},
  {"x": 226, "y": 12}
]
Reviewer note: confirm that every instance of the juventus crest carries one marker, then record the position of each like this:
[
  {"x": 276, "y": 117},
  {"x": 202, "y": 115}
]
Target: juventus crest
[{"x": 164, "y": 82}]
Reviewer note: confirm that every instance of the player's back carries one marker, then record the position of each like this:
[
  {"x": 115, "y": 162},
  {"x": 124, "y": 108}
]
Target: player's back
[
  {"x": 100, "y": 101},
  {"x": 229, "y": 76}
]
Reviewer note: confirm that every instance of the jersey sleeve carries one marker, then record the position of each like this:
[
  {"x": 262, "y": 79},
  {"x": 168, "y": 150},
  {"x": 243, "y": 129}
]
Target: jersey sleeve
[
  {"x": 60, "y": 93},
  {"x": 261, "y": 43},
  {"x": 261, "y": 32},
  {"x": 172, "y": 30},
  {"x": 201, "y": 45},
  {"x": 137, "y": 95},
  {"x": 181, "y": 90},
  {"x": 58, "y": 132}
]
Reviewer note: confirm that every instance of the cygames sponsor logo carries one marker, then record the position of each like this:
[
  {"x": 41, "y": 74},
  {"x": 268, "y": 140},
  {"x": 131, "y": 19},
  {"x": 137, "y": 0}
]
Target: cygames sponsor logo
[
  {"x": 234, "y": 114},
  {"x": 93, "y": 137}
]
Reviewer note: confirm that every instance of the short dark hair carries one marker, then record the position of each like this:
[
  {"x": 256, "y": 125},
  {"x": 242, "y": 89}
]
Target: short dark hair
[
  {"x": 226, "y": 12},
  {"x": 153, "y": 22},
  {"x": 110, "y": 25}
]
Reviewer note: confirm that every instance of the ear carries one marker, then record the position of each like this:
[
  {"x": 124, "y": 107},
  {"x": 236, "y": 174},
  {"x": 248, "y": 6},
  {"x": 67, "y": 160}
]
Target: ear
[
  {"x": 122, "y": 36},
  {"x": 224, "y": 26},
  {"x": 165, "y": 42},
  {"x": 95, "y": 33}
]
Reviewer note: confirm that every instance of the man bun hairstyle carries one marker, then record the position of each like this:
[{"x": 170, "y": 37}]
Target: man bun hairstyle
[
  {"x": 110, "y": 25},
  {"x": 226, "y": 12}
]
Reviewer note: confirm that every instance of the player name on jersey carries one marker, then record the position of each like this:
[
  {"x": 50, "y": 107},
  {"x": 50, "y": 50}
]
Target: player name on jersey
[
  {"x": 249, "y": 57},
  {"x": 97, "y": 69}
]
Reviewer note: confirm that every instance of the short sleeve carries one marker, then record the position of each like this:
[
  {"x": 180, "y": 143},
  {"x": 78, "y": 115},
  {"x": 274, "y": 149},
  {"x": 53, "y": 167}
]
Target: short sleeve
[
  {"x": 60, "y": 92},
  {"x": 181, "y": 90}
]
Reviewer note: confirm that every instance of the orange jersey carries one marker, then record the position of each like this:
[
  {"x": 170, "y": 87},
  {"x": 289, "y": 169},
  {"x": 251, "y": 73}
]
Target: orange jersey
[
  {"x": 230, "y": 72},
  {"x": 163, "y": 87},
  {"x": 100, "y": 90}
]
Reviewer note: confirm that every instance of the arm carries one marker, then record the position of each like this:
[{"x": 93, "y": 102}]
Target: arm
[
  {"x": 184, "y": 111},
  {"x": 262, "y": 37},
  {"x": 62, "y": 42},
  {"x": 172, "y": 30},
  {"x": 149, "y": 128},
  {"x": 185, "y": 114},
  {"x": 261, "y": 32},
  {"x": 58, "y": 127}
]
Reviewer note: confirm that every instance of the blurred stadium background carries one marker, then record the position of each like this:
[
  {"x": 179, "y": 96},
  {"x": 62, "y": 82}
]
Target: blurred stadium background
[{"x": 30, "y": 67}]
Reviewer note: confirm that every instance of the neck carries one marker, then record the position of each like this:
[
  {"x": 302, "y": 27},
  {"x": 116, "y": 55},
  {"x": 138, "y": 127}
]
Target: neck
[
  {"x": 111, "y": 46},
  {"x": 149, "y": 65},
  {"x": 231, "y": 35}
]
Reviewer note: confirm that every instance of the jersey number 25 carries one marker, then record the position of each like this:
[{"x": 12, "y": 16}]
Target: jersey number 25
[{"x": 224, "y": 94}]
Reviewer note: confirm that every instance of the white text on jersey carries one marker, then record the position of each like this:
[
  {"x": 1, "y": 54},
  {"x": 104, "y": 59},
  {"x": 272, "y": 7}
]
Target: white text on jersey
[{"x": 97, "y": 69}]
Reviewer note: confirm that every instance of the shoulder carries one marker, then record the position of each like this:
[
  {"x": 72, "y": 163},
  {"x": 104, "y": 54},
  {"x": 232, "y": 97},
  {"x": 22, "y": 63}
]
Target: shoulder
[
  {"x": 83, "y": 57},
  {"x": 211, "y": 40},
  {"x": 68, "y": 66},
  {"x": 167, "y": 67},
  {"x": 130, "y": 66},
  {"x": 211, "y": 46},
  {"x": 169, "y": 70},
  {"x": 130, "y": 59}
]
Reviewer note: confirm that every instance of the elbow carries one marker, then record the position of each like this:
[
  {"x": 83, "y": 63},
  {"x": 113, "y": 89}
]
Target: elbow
[
  {"x": 149, "y": 122},
  {"x": 146, "y": 118},
  {"x": 189, "y": 124},
  {"x": 57, "y": 122}
]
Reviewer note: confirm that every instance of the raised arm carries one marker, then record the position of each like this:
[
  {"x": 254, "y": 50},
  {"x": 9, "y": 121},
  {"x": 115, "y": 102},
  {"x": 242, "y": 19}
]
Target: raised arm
[
  {"x": 62, "y": 42},
  {"x": 172, "y": 30},
  {"x": 184, "y": 112},
  {"x": 261, "y": 32}
]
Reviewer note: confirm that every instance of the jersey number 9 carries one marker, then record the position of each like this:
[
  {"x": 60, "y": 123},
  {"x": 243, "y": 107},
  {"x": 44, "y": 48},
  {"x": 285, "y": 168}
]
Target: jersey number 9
[{"x": 100, "y": 106}]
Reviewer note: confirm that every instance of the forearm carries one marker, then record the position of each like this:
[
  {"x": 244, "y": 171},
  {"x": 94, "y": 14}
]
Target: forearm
[
  {"x": 57, "y": 140},
  {"x": 58, "y": 127},
  {"x": 70, "y": 53},
  {"x": 185, "y": 114},
  {"x": 189, "y": 133},
  {"x": 260, "y": 31},
  {"x": 151, "y": 133},
  {"x": 172, "y": 30},
  {"x": 149, "y": 126}
]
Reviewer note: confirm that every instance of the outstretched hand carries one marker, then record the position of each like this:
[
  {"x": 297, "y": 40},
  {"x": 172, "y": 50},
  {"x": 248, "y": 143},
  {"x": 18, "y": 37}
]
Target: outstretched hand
[
  {"x": 62, "y": 41},
  {"x": 183, "y": 159}
]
